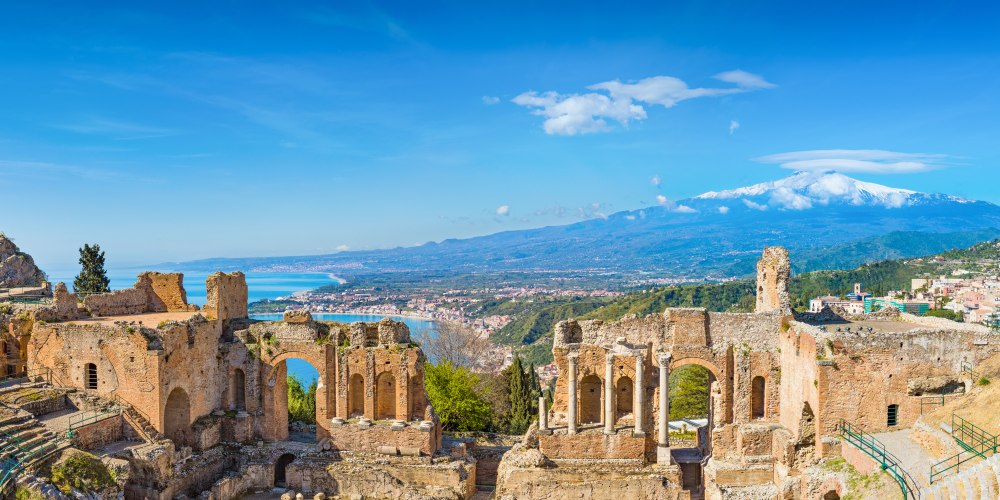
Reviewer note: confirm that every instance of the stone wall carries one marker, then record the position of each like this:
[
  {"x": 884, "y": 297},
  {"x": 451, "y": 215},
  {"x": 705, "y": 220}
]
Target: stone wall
[
  {"x": 773, "y": 274},
  {"x": 117, "y": 303},
  {"x": 352, "y": 437},
  {"x": 226, "y": 296},
  {"x": 164, "y": 292},
  {"x": 99, "y": 433}
]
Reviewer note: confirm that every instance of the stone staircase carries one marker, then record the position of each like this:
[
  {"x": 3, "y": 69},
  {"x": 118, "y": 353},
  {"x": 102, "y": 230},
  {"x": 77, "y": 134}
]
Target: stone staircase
[
  {"x": 981, "y": 480},
  {"x": 25, "y": 442},
  {"x": 139, "y": 422}
]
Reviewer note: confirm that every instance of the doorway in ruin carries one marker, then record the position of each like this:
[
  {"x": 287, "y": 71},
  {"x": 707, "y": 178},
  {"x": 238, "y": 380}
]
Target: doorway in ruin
[
  {"x": 591, "y": 394},
  {"x": 831, "y": 495},
  {"x": 91, "y": 374},
  {"x": 385, "y": 396},
  {"x": 297, "y": 383},
  {"x": 758, "y": 401},
  {"x": 689, "y": 389},
  {"x": 177, "y": 418},
  {"x": 238, "y": 390},
  {"x": 280, "y": 469},
  {"x": 623, "y": 397},
  {"x": 357, "y": 396}
]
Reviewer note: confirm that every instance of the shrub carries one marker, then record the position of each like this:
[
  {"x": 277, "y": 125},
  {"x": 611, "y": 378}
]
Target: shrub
[
  {"x": 83, "y": 472},
  {"x": 983, "y": 381}
]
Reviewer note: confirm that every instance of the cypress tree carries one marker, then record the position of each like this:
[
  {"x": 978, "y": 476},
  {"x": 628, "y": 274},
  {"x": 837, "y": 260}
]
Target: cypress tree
[
  {"x": 520, "y": 398},
  {"x": 93, "y": 278}
]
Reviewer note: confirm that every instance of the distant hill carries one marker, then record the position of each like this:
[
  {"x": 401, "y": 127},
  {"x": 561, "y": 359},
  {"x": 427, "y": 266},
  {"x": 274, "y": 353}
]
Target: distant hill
[
  {"x": 531, "y": 330},
  {"x": 826, "y": 219}
]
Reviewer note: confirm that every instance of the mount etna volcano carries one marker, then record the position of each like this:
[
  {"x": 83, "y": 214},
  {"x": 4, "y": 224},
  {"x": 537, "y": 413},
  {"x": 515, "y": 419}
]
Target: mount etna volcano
[{"x": 827, "y": 219}]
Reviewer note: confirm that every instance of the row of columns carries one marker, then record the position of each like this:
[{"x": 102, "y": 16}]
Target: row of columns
[{"x": 638, "y": 398}]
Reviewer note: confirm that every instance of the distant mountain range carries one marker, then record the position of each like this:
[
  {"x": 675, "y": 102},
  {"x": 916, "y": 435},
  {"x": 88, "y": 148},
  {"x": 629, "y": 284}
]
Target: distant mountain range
[{"x": 827, "y": 219}]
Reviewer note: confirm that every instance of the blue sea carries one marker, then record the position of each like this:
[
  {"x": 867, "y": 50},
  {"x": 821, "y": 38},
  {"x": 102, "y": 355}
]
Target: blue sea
[{"x": 267, "y": 285}]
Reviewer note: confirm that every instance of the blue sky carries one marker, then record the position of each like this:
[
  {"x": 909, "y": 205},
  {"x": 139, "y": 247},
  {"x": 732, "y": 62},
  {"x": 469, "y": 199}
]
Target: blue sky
[{"x": 223, "y": 129}]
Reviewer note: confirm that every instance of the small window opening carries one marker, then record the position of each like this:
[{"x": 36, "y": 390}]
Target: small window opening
[
  {"x": 892, "y": 415},
  {"x": 91, "y": 376}
]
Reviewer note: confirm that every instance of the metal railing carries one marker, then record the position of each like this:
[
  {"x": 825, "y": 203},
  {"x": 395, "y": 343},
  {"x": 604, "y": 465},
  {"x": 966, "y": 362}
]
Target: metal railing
[
  {"x": 89, "y": 417},
  {"x": 974, "y": 441},
  {"x": 886, "y": 460},
  {"x": 17, "y": 453},
  {"x": 930, "y": 401},
  {"x": 23, "y": 376}
]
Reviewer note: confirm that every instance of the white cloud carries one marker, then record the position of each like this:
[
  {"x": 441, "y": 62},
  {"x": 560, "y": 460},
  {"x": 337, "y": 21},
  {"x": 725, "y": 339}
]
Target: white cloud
[
  {"x": 655, "y": 180},
  {"x": 755, "y": 206},
  {"x": 790, "y": 200},
  {"x": 662, "y": 200},
  {"x": 745, "y": 80},
  {"x": 723, "y": 210},
  {"x": 869, "y": 161},
  {"x": 629, "y": 217},
  {"x": 503, "y": 210},
  {"x": 491, "y": 100},
  {"x": 733, "y": 126},
  {"x": 342, "y": 248},
  {"x": 572, "y": 114},
  {"x": 684, "y": 209}
]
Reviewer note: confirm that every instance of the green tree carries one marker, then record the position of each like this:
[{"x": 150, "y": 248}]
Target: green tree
[
  {"x": 301, "y": 401},
  {"x": 452, "y": 391},
  {"x": 689, "y": 392},
  {"x": 522, "y": 409},
  {"x": 93, "y": 278}
]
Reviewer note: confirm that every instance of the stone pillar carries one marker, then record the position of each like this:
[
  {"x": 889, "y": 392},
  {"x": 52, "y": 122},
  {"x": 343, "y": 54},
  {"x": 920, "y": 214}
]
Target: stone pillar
[
  {"x": 639, "y": 400},
  {"x": 543, "y": 417},
  {"x": 609, "y": 394},
  {"x": 571, "y": 384},
  {"x": 664, "y": 432}
]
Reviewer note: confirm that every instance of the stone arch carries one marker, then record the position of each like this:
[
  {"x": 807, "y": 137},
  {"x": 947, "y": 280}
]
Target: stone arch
[
  {"x": 591, "y": 395},
  {"x": 831, "y": 495},
  {"x": 624, "y": 397},
  {"x": 177, "y": 418},
  {"x": 704, "y": 363},
  {"x": 356, "y": 396},
  {"x": 758, "y": 397},
  {"x": 274, "y": 393},
  {"x": 280, "y": 469},
  {"x": 238, "y": 389},
  {"x": 385, "y": 396}
]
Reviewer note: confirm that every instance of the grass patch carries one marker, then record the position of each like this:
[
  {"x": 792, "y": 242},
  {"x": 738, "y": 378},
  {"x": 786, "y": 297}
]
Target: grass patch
[
  {"x": 82, "y": 472},
  {"x": 983, "y": 381}
]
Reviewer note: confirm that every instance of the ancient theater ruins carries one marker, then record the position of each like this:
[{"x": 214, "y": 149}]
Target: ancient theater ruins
[{"x": 189, "y": 402}]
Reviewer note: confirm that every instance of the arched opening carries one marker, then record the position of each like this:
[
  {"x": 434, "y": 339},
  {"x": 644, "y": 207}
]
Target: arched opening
[
  {"x": 758, "y": 403},
  {"x": 301, "y": 389},
  {"x": 356, "y": 396},
  {"x": 91, "y": 374},
  {"x": 238, "y": 390},
  {"x": 892, "y": 415},
  {"x": 590, "y": 399},
  {"x": 280, "y": 468},
  {"x": 385, "y": 396},
  {"x": 177, "y": 418},
  {"x": 831, "y": 495},
  {"x": 623, "y": 397}
]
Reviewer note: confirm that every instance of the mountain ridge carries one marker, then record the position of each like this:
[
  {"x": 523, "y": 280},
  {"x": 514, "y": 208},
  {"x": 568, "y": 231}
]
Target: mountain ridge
[{"x": 712, "y": 236}]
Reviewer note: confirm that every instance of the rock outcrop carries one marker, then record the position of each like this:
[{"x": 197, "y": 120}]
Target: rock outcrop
[{"x": 17, "y": 269}]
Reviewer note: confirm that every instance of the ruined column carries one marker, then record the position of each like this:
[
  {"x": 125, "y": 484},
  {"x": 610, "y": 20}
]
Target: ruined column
[
  {"x": 571, "y": 384},
  {"x": 639, "y": 393},
  {"x": 609, "y": 394},
  {"x": 664, "y": 436},
  {"x": 543, "y": 417}
]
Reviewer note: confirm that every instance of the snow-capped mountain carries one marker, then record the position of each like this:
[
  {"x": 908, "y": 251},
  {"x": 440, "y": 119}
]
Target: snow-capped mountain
[
  {"x": 828, "y": 220},
  {"x": 805, "y": 190}
]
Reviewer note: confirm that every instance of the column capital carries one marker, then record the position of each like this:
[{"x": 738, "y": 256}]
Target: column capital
[
  {"x": 664, "y": 357},
  {"x": 609, "y": 357},
  {"x": 573, "y": 357},
  {"x": 639, "y": 355}
]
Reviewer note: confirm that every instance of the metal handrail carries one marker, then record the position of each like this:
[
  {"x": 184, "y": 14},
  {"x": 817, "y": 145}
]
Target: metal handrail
[
  {"x": 44, "y": 373},
  {"x": 29, "y": 454},
  {"x": 929, "y": 401},
  {"x": 982, "y": 442},
  {"x": 877, "y": 450},
  {"x": 82, "y": 420}
]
